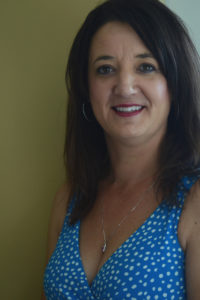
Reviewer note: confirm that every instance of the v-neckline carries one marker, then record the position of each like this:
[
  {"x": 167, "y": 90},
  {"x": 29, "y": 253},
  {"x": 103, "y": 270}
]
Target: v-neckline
[{"x": 118, "y": 249}]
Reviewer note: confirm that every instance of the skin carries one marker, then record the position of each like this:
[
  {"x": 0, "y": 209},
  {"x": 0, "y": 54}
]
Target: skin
[
  {"x": 127, "y": 75},
  {"x": 122, "y": 71}
]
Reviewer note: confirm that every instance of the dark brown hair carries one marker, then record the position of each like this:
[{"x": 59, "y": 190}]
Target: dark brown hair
[{"x": 165, "y": 35}]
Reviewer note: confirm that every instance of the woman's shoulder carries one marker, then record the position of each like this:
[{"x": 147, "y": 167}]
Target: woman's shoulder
[
  {"x": 189, "y": 223},
  {"x": 60, "y": 205},
  {"x": 189, "y": 229},
  {"x": 61, "y": 196},
  {"x": 57, "y": 216}
]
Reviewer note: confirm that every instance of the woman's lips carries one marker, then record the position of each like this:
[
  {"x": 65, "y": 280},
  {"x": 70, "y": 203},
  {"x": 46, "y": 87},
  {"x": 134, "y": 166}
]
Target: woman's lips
[{"x": 127, "y": 110}]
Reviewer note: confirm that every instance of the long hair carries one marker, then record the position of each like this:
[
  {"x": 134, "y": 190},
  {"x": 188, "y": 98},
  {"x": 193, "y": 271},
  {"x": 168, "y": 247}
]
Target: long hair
[{"x": 164, "y": 34}]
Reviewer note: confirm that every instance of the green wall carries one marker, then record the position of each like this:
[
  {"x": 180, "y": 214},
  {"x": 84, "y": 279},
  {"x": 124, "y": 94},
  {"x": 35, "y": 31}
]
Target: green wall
[{"x": 35, "y": 37}]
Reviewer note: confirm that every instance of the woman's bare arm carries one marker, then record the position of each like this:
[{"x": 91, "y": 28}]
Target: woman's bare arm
[
  {"x": 190, "y": 228},
  {"x": 58, "y": 213}
]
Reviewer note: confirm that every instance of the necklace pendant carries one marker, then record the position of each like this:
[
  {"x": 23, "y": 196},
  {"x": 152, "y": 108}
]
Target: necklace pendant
[{"x": 104, "y": 248}]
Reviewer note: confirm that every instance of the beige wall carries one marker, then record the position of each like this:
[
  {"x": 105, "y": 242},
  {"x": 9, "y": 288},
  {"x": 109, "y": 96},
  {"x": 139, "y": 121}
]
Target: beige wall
[{"x": 35, "y": 36}]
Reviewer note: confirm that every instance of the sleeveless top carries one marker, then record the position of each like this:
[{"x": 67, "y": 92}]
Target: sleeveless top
[{"x": 150, "y": 264}]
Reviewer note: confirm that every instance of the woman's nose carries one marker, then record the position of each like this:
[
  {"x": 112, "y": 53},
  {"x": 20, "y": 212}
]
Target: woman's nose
[{"x": 126, "y": 85}]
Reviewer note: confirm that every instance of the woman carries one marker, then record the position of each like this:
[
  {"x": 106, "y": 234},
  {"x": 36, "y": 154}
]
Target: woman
[{"x": 132, "y": 154}]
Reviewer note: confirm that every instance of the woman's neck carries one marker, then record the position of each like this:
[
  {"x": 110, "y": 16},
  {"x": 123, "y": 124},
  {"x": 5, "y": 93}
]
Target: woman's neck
[{"x": 132, "y": 164}]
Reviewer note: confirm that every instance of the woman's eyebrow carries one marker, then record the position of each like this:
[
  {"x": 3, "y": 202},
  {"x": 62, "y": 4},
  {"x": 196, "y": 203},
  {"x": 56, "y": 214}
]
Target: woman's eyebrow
[
  {"x": 144, "y": 55},
  {"x": 109, "y": 57},
  {"x": 103, "y": 57}
]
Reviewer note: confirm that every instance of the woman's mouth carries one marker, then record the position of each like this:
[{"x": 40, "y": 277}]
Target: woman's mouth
[{"x": 127, "y": 110}]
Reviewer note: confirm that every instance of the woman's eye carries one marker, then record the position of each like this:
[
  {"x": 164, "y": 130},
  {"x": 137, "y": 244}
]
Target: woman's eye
[
  {"x": 146, "y": 68},
  {"x": 104, "y": 70}
]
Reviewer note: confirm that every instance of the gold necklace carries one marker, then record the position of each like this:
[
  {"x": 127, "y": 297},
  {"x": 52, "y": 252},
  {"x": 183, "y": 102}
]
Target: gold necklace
[{"x": 123, "y": 219}]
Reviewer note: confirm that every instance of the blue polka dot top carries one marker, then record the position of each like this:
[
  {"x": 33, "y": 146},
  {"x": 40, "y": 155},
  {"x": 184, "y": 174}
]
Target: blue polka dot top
[{"x": 148, "y": 265}]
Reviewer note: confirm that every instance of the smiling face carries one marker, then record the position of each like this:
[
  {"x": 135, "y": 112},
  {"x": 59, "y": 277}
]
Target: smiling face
[{"x": 128, "y": 92}]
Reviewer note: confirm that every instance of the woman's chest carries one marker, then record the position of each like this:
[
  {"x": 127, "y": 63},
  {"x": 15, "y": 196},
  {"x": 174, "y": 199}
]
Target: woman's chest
[
  {"x": 149, "y": 263},
  {"x": 111, "y": 230}
]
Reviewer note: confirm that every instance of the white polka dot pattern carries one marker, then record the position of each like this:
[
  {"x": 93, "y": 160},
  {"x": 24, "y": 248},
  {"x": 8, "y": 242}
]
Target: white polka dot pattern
[{"x": 148, "y": 265}]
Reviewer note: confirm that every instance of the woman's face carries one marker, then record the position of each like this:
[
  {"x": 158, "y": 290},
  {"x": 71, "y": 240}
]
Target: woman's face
[{"x": 128, "y": 93}]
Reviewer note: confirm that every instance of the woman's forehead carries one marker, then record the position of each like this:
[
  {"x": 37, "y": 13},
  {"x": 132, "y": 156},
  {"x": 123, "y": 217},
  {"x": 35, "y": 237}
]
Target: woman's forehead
[{"x": 116, "y": 39}]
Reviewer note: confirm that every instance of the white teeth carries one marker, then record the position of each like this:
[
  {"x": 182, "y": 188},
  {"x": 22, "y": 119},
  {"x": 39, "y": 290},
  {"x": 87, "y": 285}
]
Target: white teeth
[{"x": 128, "y": 109}]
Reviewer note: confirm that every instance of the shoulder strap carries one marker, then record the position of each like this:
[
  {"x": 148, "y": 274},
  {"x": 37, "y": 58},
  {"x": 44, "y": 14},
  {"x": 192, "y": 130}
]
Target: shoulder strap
[
  {"x": 184, "y": 187},
  {"x": 188, "y": 181}
]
